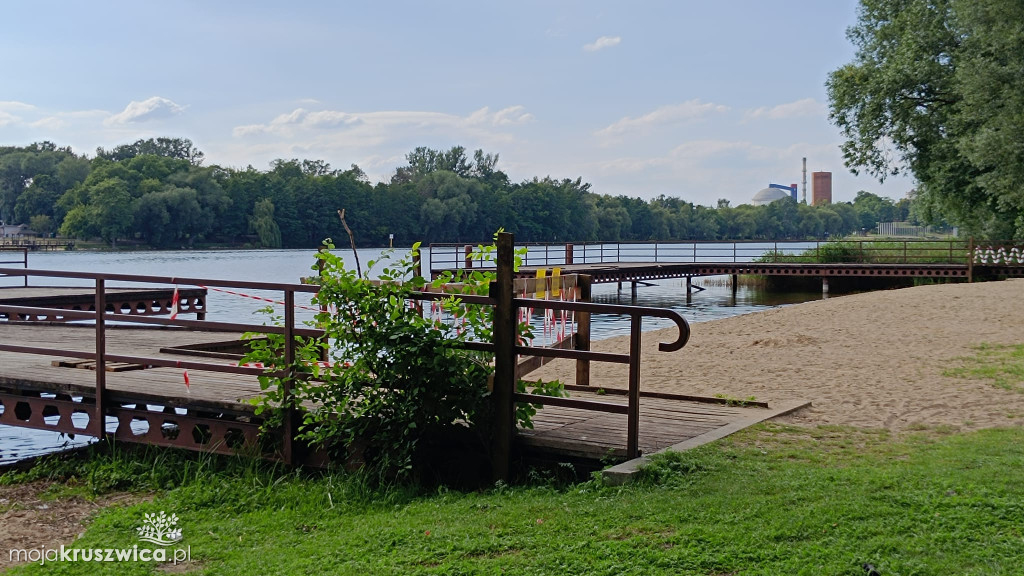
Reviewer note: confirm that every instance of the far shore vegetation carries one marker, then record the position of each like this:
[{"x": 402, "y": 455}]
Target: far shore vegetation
[{"x": 158, "y": 193}]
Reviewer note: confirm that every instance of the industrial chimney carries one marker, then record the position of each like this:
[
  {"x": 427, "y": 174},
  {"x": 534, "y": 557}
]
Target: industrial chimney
[{"x": 805, "y": 181}]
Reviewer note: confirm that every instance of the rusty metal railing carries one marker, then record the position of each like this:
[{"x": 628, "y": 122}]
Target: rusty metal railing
[
  {"x": 504, "y": 346},
  {"x": 23, "y": 260},
  {"x": 457, "y": 256}
]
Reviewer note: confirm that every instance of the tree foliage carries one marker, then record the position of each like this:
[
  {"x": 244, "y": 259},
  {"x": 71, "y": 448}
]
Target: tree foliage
[
  {"x": 935, "y": 91},
  {"x": 167, "y": 200}
]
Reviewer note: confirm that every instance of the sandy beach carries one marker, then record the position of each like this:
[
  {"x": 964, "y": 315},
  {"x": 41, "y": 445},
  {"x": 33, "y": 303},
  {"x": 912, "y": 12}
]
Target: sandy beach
[{"x": 870, "y": 360}]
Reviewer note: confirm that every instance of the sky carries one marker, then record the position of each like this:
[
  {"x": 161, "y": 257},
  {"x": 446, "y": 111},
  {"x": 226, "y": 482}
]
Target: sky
[{"x": 694, "y": 99}]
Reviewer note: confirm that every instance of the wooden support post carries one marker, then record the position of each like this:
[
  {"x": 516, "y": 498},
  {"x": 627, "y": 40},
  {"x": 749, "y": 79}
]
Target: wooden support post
[
  {"x": 504, "y": 338},
  {"x": 469, "y": 256},
  {"x": 689, "y": 285},
  {"x": 633, "y": 411},
  {"x": 583, "y": 331},
  {"x": 735, "y": 284},
  {"x": 417, "y": 271},
  {"x": 286, "y": 388},
  {"x": 324, "y": 341},
  {"x": 970, "y": 260},
  {"x": 632, "y": 291},
  {"x": 101, "y": 361},
  {"x": 568, "y": 254}
]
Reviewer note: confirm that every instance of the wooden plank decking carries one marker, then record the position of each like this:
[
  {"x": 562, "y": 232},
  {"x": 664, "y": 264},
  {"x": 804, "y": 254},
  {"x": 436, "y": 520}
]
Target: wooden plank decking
[
  {"x": 664, "y": 422},
  {"x": 164, "y": 386}
]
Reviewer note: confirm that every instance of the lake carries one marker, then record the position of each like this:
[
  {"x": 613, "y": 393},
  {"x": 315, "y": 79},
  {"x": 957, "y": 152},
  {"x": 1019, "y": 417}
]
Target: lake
[{"x": 716, "y": 301}]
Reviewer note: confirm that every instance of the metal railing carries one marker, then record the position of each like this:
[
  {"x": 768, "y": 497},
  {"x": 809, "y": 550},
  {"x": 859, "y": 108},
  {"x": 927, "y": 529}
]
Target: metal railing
[
  {"x": 33, "y": 243},
  {"x": 457, "y": 256},
  {"x": 103, "y": 313},
  {"x": 505, "y": 347},
  {"x": 4, "y": 250}
]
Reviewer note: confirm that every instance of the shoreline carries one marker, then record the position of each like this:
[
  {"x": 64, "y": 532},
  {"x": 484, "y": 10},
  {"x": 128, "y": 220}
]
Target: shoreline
[{"x": 872, "y": 360}]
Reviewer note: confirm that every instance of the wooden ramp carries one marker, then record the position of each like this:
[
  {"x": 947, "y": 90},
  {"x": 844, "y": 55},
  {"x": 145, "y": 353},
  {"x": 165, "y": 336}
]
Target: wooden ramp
[{"x": 665, "y": 421}]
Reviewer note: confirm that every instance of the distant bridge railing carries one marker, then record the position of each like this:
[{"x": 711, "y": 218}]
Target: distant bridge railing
[
  {"x": 34, "y": 243},
  {"x": 455, "y": 256}
]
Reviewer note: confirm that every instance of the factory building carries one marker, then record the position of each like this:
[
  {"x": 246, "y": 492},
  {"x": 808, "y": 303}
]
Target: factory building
[{"x": 821, "y": 188}]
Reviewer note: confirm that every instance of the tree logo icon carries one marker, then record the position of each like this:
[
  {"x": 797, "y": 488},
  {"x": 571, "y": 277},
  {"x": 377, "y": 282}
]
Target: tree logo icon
[{"x": 160, "y": 529}]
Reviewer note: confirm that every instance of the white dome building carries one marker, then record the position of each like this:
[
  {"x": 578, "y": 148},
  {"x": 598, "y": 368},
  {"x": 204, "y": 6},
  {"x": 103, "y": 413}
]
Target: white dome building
[{"x": 768, "y": 195}]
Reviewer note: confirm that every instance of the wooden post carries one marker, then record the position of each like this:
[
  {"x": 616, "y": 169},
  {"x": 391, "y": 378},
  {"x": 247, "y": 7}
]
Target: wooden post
[
  {"x": 469, "y": 256},
  {"x": 583, "y": 331},
  {"x": 504, "y": 338},
  {"x": 325, "y": 342},
  {"x": 689, "y": 285},
  {"x": 286, "y": 388},
  {"x": 101, "y": 361},
  {"x": 568, "y": 254},
  {"x": 735, "y": 284},
  {"x": 970, "y": 260},
  {"x": 633, "y": 410}
]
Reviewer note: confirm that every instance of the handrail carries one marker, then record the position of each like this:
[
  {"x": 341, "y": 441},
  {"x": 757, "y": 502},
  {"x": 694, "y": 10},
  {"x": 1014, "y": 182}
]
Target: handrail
[
  {"x": 23, "y": 261},
  {"x": 101, "y": 316},
  {"x": 451, "y": 256}
]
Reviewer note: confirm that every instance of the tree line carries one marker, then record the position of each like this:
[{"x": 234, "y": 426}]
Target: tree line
[{"x": 158, "y": 193}]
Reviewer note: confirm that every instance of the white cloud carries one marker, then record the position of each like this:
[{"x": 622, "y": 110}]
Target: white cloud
[
  {"x": 9, "y": 110},
  {"x": 800, "y": 108},
  {"x": 10, "y": 105},
  {"x": 602, "y": 43},
  {"x": 689, "y": 110},
  {"x": 154, "y": 108},
  {"x": 301, "y": 120},
  {"x": 6, "y": 119},
  {"x": 50, "y": 123},
  {"x": 375, "y": 140}
]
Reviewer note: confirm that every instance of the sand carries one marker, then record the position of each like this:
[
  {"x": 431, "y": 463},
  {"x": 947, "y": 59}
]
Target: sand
[{"x": 871, "y": 360}]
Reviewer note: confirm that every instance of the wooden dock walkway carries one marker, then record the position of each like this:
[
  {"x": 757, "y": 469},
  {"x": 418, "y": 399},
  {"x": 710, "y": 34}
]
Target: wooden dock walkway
[
  {"x": 156, "y": 391},
  {"x": 158, "y": 395}
]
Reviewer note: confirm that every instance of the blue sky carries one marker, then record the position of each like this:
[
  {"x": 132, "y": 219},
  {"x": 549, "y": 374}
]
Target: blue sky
[{"x": 700, "y": 100}]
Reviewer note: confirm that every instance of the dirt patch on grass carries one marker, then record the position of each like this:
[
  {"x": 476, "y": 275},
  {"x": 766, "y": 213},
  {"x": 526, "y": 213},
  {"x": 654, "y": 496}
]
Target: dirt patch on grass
[{"x": 31, "y": 517}]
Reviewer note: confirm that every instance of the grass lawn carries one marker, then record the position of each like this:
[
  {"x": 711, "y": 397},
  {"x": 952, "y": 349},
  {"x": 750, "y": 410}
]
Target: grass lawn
[{"x": 771, "y": 500}]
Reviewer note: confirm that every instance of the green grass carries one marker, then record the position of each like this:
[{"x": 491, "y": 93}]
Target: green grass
[
  {"x": 773, "y": 500},
  {"x": 1001, "y": 366}
]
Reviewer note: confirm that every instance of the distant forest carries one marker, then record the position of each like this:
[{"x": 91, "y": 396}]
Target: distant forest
[{"x": 158, "y": 193}]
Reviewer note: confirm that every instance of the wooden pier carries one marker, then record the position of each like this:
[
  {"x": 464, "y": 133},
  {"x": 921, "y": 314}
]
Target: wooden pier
[
  {"x": 152, "y": 404},
  {"x": 129, "y": 374}
]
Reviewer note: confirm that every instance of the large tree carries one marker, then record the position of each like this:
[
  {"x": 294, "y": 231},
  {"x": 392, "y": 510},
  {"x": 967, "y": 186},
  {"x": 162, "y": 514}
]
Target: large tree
[{"x": 934, "y": 91}]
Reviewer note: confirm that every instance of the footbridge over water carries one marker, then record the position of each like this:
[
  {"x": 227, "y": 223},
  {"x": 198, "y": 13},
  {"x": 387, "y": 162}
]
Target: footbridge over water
[{"x": 639, "y": 262}]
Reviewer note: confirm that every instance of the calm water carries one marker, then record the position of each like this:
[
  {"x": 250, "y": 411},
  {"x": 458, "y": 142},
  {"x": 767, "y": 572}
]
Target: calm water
[{"x": 715, "y": 302}]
